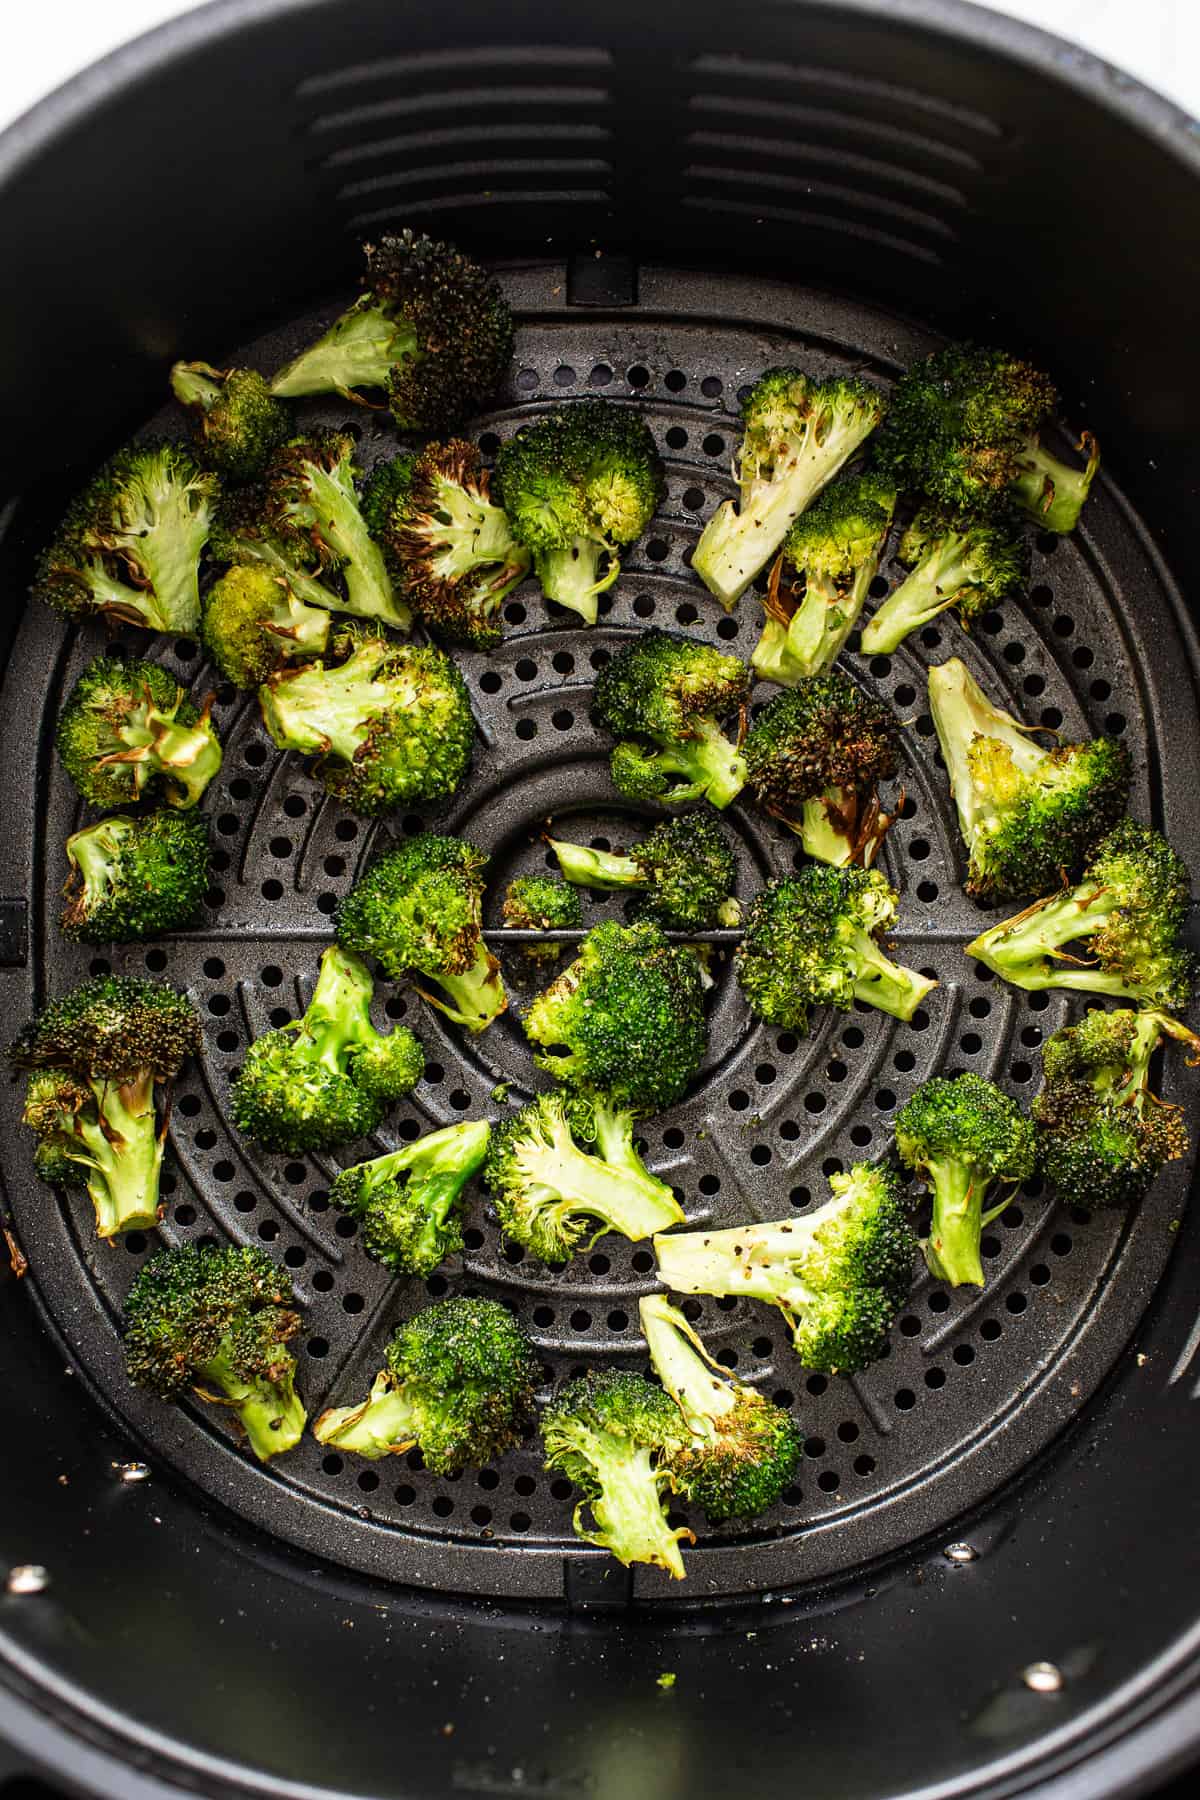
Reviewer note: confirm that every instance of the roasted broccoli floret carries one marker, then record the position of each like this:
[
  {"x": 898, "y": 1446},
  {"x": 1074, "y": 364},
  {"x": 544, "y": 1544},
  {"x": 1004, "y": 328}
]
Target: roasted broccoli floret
[
  {"x": 128, "y": 730},
  {"x": 390, "y": 724},
  {"x": 253, "y": 624},
  {"x": 963, "y": 427},
  {"x": 966, "y": 1139},
  {"x": 839, "y": 1274},
  {"x": 812, "y": 941},
  {"x": 741, "y": 1449},
  {"x": 684, "y": 869},
  {"x": 612, "y": 1433},
  {"x": 555, "y": 1194},
  {"x": 95, "y": 1057},
  {"x": 814, "y": 757},
  {"x": 1028, "y": 815},
  {"x": 1102, "y": 1133},
  {"x": 235, "y": 418},
  {"x": 450, "y": 548},
  {"x": 408, "y": 1201},
  {"x": 797, "y": 434},
  {"x": 664, "y": 694},
  {"x": 431, "y": 328},
  {"x": 1115, "y": 932},
  {"x": 130, "y": 878},
  {"x": 130, "y": 545},
  {"x": 418, "y": 908},
  {"x": 542, "y": 903},
  {"x": 458, "y": 1385},
  {"x": 329, "y": 1076},
  {"x": 218, "y": 1321},
  {"x": 578, "y": 487},
  {"x": 968, "y": 563},
  {"x": 624, "y": 1020},
  {"x": 835, "y": 547}
]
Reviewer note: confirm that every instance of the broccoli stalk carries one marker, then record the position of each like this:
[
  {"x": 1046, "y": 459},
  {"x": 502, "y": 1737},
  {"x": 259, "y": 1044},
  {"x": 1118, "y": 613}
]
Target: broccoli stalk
[
  {"x": 132, "y": 877},
  {"x": 359, "y": 350},
  {"x": 1052, "y": 492},
  {"x": 969, "y": 564},
  {"x": 408, "y": 1200},
  {"x": 384, "y": 1424},
  {"x": 314, "y": 505},
  {"x": 106, "y": 1134}
]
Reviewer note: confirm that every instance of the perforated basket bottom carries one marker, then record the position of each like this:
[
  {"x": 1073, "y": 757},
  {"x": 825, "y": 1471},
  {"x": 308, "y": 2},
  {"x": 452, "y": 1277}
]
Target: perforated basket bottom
[{"x": 973, "y": 1383}]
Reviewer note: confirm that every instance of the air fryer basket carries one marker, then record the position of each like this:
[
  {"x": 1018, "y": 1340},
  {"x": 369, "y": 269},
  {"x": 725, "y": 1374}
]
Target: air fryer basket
[{"x": 1009, "y": 1486}]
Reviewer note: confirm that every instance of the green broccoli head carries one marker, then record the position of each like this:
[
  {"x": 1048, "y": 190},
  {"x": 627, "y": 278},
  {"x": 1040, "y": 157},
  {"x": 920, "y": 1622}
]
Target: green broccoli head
[
  {"x": 409, "y": 1201},
  {"x": 132, "y": 877},
  {"x": 128, "y": 730},
  {"x": 968, "y": 563},
  {"x": 684, "y": 871},
  {"x": 667, "y": 694},
  {"x": 236, "y": 420},
  {"x": 253, "y": 624},
  {"x": 218, "y": 1321},
  {"x": 542, "y": 903}
]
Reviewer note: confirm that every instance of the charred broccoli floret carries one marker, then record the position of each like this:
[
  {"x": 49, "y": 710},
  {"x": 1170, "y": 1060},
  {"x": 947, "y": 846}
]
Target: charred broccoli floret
[
  {"x": 741, "y": 1449},
  {"x": 95, "y": 1057},
  {"x": 968, "y": 563},
  {"x": 835, "y": 547},
  {"x": 450, "y": 548},
  {"x": 133, "y": 877},
  {"x": 812, "y": 941},
  {"x": 663, "y": 695},
  {"x": 1115, "y": 932},
  {"x": 797, "y": 434},
  {"x": 839, "y": 1274},
  {"x": 418, "y": 908},
  {"x": 1028, "y": 815},
  {"x": 814, "y": 758},
  {"x": 458, "y": 1384},
  {"x": 542, "y": 903},
  {"x": 431, "y": 328},
  {"x": 236, "y": 420},
  {"x": 684, "y": 869},
  {"x": 613, "y": 1433},
  {"x": 253, "y": 624},
  {"x": 218, "y": 1321},
  {"x": 579, "y": 487},
  {"x": 963, "y": 427},
  {"x": 389, "y": 724},
  {"x": 1102, "y": 1133},
  {"x": 408, "y": 1201},
  {"x": 329, "y": 1076},
  {"x": 129, "y": 547},
  {"x": 966, "y": 1139},
  {"x": 128, "y": 729}
]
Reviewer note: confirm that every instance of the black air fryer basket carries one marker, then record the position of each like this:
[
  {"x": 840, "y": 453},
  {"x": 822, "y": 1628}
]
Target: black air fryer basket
[{"x": 984, "y": 1582}]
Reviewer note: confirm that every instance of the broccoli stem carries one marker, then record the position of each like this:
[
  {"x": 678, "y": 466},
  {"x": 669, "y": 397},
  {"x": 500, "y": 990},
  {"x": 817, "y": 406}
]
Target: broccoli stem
[
  {"x": 884, "y": 984},
  {"x": 596, "y": 868},
  {"x": 381, "y": 1425},
  {"x": 684, "y": 1367},
  {"x": 614, "y": 1140},
  {"x": 94, "y": 852},
  {"x": 754, "y": 1262},
  {"x": 195, "y": 384},
  {"x": 360, "y": 349},
  {"x": 318, "y": 710},
  {"x": 338, "y": 1014},
  {"x": 625, "y": 1196},
  {"x": 271, "y": 1411},
  {"x": 1052, "y": 491},
  {"x": 124, "y": 1156},
  {"x": 189, "y": 755},
  {"x": 928, "y": 590},
  {"x": 471, "y": 533},
  {"x": 475, "y": 998},
  {"x": 952, "y": 1249},
  {"x": 1027, "y": 950},
  {"x": 713, "y": 761},
  {"x": 170, "y": 549},
  {"x": 819, "y": 627},
  {"x": 822, "y": 828},
  {"x": 136, "y": 605},
  {"x": 961, "y": 713},
  {"x": 573, "y": 576},
  {"x": 369, "y": 591},
  {"x": 626, "y": 1504},
  {"x": 305, "y": 587},
  {"x": 440, "y": 1165}
]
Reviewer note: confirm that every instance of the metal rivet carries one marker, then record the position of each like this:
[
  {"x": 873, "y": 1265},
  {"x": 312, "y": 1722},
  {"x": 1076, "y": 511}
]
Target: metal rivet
[
  {"x": 134, "y": 1471},
  {"x": 1043, "y": 1678},
  {"x": 960, "y": 1553},
  {"x": 27, "y": 1578}
]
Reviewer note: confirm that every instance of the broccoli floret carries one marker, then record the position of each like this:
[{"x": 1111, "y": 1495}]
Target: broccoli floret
[
  {"x": 458, "y": 1384},
  {"x": 970, "y": 564},
  {"x": 133, "y": 877},
  {"x": 128, "y": 729},
  {"x": 578, "y": 487},
  {"x": 218, "y": 1321},
  {"x": 329, "y": 1076},
  {"x": 814, "y": 757},
  {"x": 419, "y": 908},
  {"x": 612, "y": 1433},
  {"x": 839, "y": 1274},
  {"x": 625, "y": 1019},
  {"x": 431, "y": 328},
  {"x": 684, "y": 869},
  {"x": 542, "y": 903},
  {"x": 798, "y": 434},
  {"x": 741, "y": 1449},
  {"x": 812, "y": 941},
  {"x": 965, "y": 1138},
  {"x": 408, "y": 1200},
  {"x": 1122, "y": 921},
  {"x": 668, "y": 692},
  {"x": 963, "y": 426},
  {"x": 1102, "y": 1133},
  {"x": 1028, "y": 815},
  {"x": 835, "y": 546},
  {"x": 253, "y": 623},
  {"x": 95, "y": 1057},
  {"x": 130, "y": 545},
  {"x": 390, "y": 724},
  {"x": 448, "y": 545},
  {"x": 236, "y": 421},
  {"x": 555, "y": 1197}
]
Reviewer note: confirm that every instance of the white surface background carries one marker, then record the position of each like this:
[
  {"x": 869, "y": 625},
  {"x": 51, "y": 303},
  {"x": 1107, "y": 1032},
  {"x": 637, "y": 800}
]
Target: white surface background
[{"x": 1158, "y": 40}]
